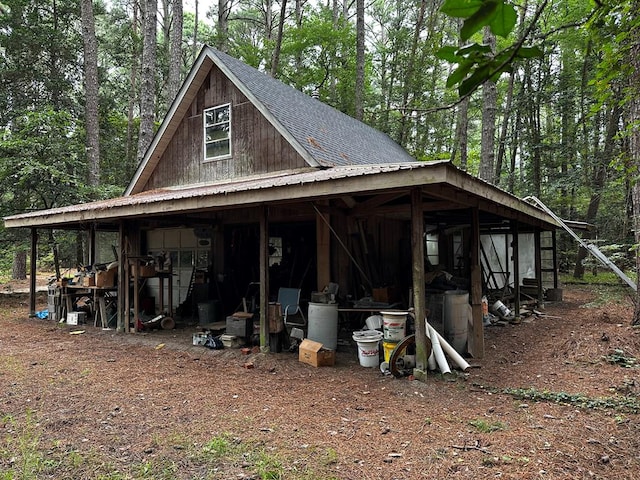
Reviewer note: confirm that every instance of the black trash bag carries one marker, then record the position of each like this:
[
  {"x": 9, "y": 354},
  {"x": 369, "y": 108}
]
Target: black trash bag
[{"x": 213, "y": 343}]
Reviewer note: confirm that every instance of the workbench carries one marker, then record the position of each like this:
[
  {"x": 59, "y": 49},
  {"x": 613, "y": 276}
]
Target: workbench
[{"x": 101, "y": 297}]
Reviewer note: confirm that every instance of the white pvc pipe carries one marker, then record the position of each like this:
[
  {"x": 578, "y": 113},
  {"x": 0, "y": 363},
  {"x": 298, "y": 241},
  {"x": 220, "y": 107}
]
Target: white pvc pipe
[
  {"x": 431, "y": 361},
  {"x": 449, "y": 350},
  {"x": 437, "y": 351}
]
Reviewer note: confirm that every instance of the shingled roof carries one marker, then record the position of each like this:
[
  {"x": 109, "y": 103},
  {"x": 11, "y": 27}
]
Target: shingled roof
[
  {"x": 322, "y": 135},
  {"x": 331, "y": 137}
]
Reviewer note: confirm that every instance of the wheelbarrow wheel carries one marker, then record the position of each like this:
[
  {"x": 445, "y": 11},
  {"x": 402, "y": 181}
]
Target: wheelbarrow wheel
[{"x": 396, "y": 359}]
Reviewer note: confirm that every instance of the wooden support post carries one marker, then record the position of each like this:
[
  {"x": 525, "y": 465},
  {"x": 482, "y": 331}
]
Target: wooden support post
[
  {"x": 264, "y": 280},
  {"x": 124, "y": 305},
  {"x": 476, "y": 338},
  {"x": 33, "y": 272},
  {"x": 92, "y": 244},
  {"x": 554, "y": 252},
  {"x": 516, "y": 268},
  {"x": 323, "y": 250},
  {"x": 136, "y": 296},
  {"x": 538, "y": 267},
  {"x": 419, "y": 299}
]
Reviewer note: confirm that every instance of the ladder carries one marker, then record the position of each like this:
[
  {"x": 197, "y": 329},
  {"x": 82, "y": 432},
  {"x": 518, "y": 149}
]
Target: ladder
[{"x": 589, "y": 247}]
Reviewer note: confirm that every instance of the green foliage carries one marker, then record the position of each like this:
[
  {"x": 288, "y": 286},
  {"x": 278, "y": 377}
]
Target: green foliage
[
  {"x": 318, "y": 58},
  {"x": 477, "y": 63},
  {"x": 40, "y": 161},
  {"x": 619, "y": 357},
  {"x": 485, "y": 426},
  {"x": 620, "y": 404}
]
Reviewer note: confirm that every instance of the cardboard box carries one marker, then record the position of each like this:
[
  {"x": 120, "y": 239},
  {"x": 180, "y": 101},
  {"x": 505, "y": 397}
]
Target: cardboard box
[
  {"x": 106, "y": 278},
  {"x": 76, "y": 318},
  {"x": 88, "y": 281},
  {"x": 144, "y": 271},
  {"x": 385, "y": 294},
  {"x": 315, "y": 354}
]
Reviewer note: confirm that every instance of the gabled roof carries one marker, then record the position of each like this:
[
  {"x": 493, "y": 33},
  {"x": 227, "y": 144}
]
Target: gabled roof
[{"x": 322, "y": 135}]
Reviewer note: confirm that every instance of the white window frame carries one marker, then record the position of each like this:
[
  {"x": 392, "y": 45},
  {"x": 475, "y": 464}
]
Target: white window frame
[{"x": 206, "y": 125}]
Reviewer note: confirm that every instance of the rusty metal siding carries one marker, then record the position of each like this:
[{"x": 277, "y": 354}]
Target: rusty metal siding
[{"x": 257, "y": 147}]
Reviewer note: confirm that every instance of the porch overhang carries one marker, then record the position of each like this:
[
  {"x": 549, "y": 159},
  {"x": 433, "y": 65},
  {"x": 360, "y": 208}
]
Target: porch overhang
[{"x": 443, "y": 187}]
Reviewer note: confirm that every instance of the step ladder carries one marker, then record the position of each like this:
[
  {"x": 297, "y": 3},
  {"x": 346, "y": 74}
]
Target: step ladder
[{"x": 589, "y": 247}]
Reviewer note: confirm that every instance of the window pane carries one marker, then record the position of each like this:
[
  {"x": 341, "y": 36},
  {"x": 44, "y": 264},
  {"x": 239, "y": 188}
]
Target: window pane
[
  {"x": 219, "y": 132},
  {"x": 218, "y": 149},
  {"x": 186, "y": 258},
  {"x": 221, "y": 114},
  {"x": 209, "y": 117}
]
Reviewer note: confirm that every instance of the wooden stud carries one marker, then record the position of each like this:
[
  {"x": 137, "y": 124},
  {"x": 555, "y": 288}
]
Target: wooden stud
[
  {"x": 264, "y": 279},
  {"x": 323, "y": 249},
  {"x": 476, "y": 338},
  {"x": 516, "y": 268},
  {"x": 419, "y": 300},
  {"x": 32, "y": 272}
]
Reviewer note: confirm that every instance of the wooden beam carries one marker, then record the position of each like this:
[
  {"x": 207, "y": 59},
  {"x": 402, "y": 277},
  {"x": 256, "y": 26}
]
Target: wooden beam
[
  {"x": 419, "y": 299},
  {"x": 516, "y": 268},
  {"x": 123, "y": 281},
  {"x": 476, "y": 338},
  {"x": 376, "y": 201},
  {"x": 92, "y": 244},
  {"x": 33, "y": 272},
  {"x": 538, "y": 267},
  {"x": 264, "y": 280},
  {"x": 323, "y": 248}
]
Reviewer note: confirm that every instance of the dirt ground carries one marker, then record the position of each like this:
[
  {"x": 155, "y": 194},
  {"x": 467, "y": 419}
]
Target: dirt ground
[{"x": 554, "y": 397}]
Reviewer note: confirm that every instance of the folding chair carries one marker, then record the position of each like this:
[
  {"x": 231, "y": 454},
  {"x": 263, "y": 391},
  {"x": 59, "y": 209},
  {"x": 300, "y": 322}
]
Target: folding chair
[{"x": 289, "y": 300}]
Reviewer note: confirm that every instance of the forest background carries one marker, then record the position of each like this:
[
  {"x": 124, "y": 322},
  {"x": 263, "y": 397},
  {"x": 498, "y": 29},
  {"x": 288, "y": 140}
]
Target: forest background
[{"x": 539, "y": 97}]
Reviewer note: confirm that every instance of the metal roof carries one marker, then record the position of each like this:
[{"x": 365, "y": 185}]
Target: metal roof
[{"x": 283, "y": 187}]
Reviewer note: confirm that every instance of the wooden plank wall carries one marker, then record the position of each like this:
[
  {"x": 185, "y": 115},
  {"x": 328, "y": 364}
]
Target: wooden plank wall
[{"x": 257, "y": 147}]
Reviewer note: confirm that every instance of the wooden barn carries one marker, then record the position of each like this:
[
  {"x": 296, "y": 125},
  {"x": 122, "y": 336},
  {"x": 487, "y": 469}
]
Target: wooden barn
[{"x": 251, "y": 185}]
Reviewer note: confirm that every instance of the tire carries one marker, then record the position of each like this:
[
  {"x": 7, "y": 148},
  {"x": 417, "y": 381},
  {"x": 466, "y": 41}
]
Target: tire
[{"x": 396, "y": 362}]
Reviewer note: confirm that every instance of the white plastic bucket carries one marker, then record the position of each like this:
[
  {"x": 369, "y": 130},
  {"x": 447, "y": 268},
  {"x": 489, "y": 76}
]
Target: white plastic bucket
[
  {"x": 394, "y": 325},
  {"x": 323, "y": 324},
  {"x": 368, "y": 347},
  {"x": 374, "y": 322},
  {"x": 501, "y": 309}
]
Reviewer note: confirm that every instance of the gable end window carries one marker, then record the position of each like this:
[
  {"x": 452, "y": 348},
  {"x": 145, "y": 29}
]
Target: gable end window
[{"x": 217, "y": 132}]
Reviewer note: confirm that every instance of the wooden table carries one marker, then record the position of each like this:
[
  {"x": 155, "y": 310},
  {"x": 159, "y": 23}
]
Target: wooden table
[{"x": 101, "y": 297}]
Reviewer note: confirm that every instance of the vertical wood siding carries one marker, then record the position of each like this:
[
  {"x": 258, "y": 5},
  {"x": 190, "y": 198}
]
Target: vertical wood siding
[{"x": 256, "y": 148}]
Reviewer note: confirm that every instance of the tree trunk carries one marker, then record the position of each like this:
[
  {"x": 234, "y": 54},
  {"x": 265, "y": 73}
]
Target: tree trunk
[
  {"x": 489, "y": 107},
  {"x": 462, "y": 134},
  {"x": 148, "y": 77},
  {"x": 359, "y": 87},
  {"x": 195, "y": 32},
  {"x": 634, "y": 137},
  {"x": 462, "y": 126},
  {"x": 602, "y": 161},
  {"x": 275, "y": 58},
  {"x": 91, "y": 91},
  {"x": 504, "y": 129},
  {"x": 133, "y": 87},
  {"x": 223, "y": 25},
  {"x": 409, "y": 76},
  {"x": 175, "y": 52},
  {"x": 19, "y": 270}
]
